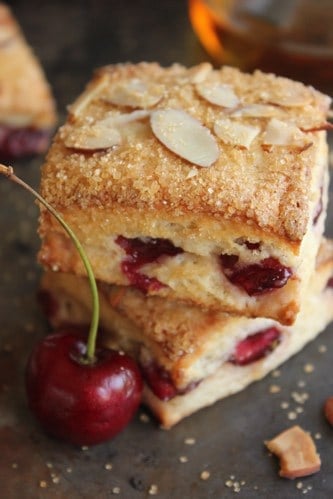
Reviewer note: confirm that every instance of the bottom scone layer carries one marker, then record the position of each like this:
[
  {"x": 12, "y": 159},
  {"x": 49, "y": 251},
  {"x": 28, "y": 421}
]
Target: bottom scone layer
[{"x": 191, "y": 358}]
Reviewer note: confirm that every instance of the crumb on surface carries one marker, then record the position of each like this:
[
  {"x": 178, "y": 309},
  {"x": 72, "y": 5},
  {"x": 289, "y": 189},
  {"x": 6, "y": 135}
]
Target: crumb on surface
[
  {"x": 274, "y": 389},
  {"x": 189, "y": 441},
  {"x": 204, "y": 475},
  {"x": 308, "y": 368},
  {"x": 153, "y": 489}
]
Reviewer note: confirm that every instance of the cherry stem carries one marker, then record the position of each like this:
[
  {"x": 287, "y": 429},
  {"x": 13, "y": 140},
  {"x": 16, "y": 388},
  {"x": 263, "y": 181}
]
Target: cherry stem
[{"x": 8, "y": 171}]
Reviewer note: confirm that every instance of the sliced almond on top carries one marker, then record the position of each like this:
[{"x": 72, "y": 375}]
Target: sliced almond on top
[
  {"x": 134, "y": 93},
  {"x": 87, "y": 96},
  {"x": 232, "y": 132},
  {"x": 123, "y": 118},
  {"x": 218, "y": 93},
  {"x": 199, "y": 73},
  {"x": 102, "y": 134},
  {"x": 296, "y": 451},
  {"x": 185, "y": 136},
  {"x": 254, "y": 111},
  {"x": 283, "y": 134},
  {"x": 291, "y": 97},
  {"x": 90, "y": 138}
]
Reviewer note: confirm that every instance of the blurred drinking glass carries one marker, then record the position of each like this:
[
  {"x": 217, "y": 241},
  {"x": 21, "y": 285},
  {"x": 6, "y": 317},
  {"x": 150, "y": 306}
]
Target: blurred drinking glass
[{"x": 293, "y": 38}]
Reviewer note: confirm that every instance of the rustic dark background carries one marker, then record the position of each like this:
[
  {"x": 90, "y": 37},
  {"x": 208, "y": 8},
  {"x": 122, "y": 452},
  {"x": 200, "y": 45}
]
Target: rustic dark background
[{"x": 71, "y": 39}]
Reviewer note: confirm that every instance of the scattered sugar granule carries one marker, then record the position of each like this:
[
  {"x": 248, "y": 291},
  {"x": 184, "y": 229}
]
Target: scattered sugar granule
[
  {"x": 276, "y": 373},
  {"x": 116, "y": 490},
  {"x": 153, "y": 490},
  {"x": 43, "y": 484},
  {"x": 183, "y": 459},
  {"x": 14, "y": 466},
  {"x": 317, "y": 436},
  {"x": 292, "y": 415},
  {"x": 299, "y": 485},
  {"x": 308, "y": 368},
  {"x": 205, "y": 475},
  {"x": 69, "y": 470},
  {"x": 301, "y": 383},
  {"x": 84, "y": 447},
  {"x": 108, "y": 466},
  {"x": 284, "y": 405},
  {"x": 49, "y": 465},
  {"x": 322, "y": 349},
  {"x": 56, "y": 479}
]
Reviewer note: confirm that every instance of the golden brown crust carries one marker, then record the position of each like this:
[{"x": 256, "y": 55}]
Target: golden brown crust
[
  {"x": 25, "y": 97},
  {"x": 265, "y": 188}
]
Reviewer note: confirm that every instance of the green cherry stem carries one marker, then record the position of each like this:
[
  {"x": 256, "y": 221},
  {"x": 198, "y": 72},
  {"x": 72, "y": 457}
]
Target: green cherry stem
[{"x": 8, "y": 171}]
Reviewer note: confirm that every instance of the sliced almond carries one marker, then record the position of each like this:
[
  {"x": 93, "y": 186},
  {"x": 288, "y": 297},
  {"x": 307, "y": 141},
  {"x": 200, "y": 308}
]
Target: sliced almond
[
  {"x": 134, "y": 93},
  {"x": 185, "y": 136},
  {"x": 218, "y": 94},
  {"x": 283, "y": 134},
  {"x": 104, "y": 133},
  {"x": 296, "y": 451},
  {"x": 232, "y": 132},
  {"x": 199, "y": 73},
  {"x": 90, "y": 137},
  {"x": 254, "y": 111},
  {"x": 291, "y": 97},
  {"x": 87, "y": 96},
  {"x": 123, "y": 118}
]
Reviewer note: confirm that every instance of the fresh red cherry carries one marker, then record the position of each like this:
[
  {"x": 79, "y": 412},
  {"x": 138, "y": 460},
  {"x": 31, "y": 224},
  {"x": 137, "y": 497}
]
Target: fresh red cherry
[
  {"x": 82, "y": 403},
  {"x": 78, "y": 392}
]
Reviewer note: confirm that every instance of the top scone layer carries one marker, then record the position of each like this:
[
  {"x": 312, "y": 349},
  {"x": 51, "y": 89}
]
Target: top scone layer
[{"x": 213, "y": 143}]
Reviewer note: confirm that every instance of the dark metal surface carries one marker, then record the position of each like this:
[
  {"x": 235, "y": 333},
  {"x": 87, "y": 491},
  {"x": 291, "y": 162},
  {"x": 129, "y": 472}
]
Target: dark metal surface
[{"x": 72, "y": 38}]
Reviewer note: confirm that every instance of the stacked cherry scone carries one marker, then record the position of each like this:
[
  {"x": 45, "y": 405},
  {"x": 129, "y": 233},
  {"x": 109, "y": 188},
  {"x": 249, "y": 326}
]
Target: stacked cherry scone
[
  {"x": 27, "y": 109},
  {"x": 200, "y": 196}
]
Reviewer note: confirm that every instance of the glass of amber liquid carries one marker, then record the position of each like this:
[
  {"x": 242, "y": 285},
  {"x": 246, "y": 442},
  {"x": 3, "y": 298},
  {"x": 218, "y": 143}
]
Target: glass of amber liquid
[{"x": 293, "y": 38}]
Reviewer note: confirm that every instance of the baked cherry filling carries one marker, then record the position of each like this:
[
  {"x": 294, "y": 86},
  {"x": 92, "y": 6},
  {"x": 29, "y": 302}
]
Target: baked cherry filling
[
  {"x": 257, "y": 278},
  {"x": 256, "y": 346},
  {"x": 160, "y": 382},
  {"x": 19, "y": 142},
  {"x": 139, "y": 252}
]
